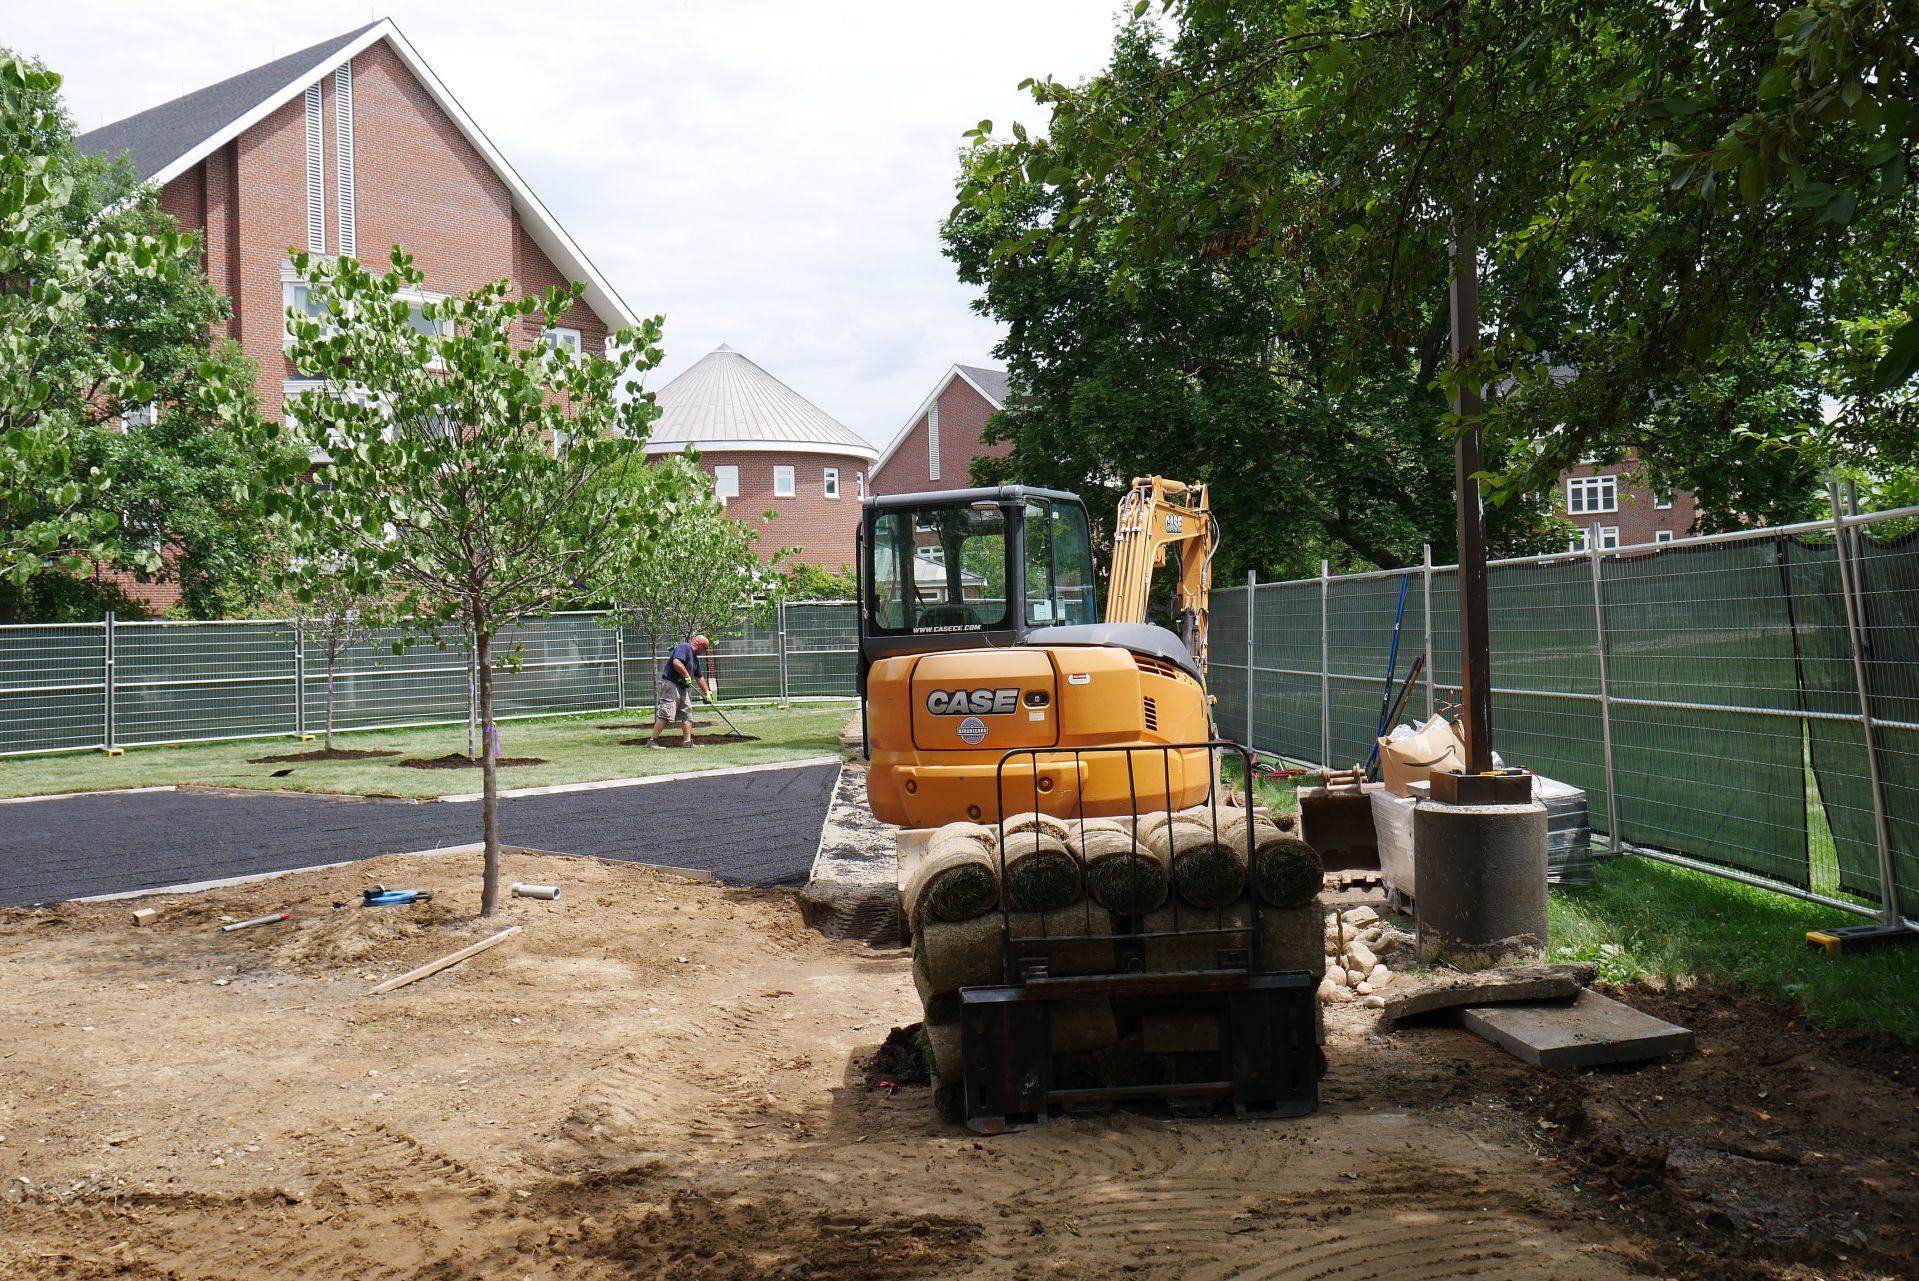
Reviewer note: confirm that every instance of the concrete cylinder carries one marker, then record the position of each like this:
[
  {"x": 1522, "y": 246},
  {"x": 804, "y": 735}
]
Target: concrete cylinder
[{"x": 1482, "y": 884}]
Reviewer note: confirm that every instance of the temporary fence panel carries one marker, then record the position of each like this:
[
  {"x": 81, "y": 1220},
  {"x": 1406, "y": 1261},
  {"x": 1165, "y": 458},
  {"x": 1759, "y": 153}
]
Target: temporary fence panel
[
  {"x": 1226, "y": 662},
  {"x": 822, "y": 649},
  {"x": 1691, "y": 630},
  {"x": 547, "y": 666},
  {"x": 53, "y": 687},
  {"x": 423, "y": 684},
  {"x": 1286, "y": 676},
  {"x": 185, "y": 682}
]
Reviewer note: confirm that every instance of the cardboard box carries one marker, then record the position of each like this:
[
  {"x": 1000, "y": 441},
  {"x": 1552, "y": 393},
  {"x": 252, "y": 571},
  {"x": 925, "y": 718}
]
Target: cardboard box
[{"x": 1434, "y": 749}]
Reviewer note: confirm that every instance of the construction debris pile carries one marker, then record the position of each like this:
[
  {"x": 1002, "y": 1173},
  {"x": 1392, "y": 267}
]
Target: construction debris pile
[
  {"x": 1359, "y": 946},
  {"x": 1168, "y": 892}
]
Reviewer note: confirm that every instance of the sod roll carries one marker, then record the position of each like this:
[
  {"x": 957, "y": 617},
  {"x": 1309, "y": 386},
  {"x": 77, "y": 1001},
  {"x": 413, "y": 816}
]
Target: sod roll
[
  {"x": 1123, "y": 875},
  {"x": 1041, "y": 873},
  {"x": 959, "y": 835},
  {"x": 1045, "y": 824},
  {"x": 1206, "y": 871},
  {"x": 956, "y": 884},
  {"x": 950, "y": 955},
  {"x": 1292, "y": 938},
  {"x": 1090, "y": 956},
  {"x": 942, "y": 1051},
  {"x": 1288, "y": 871},
  {"x": 935, "y": 1007}
]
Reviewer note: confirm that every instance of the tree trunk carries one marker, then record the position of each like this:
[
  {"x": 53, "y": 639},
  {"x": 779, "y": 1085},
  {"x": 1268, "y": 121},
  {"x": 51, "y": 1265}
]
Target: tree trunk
[{"x": 489, "y": 774}]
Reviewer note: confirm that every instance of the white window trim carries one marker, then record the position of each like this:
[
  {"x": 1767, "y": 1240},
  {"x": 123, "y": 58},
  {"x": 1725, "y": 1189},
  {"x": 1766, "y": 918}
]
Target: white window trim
[
  {"x": 830, "y": 482},
  {"x": 1597, "y": 495},
  {"x": 343, "y": 159},
  {"x": 724, "y": 473},
  {"x": 562, "y": 338},
  {"x": 1662, "y": 504},
  {"x": 146, "y": 415},
  {"x": 1608, "y": 539},
  {"x": 785, "y": 481},
  {"x": 859, "y": 483},
  {"x": 316, "y": 172},
  {"x": 1662, "y": 536},
  {"x": 933, "y": 441}
]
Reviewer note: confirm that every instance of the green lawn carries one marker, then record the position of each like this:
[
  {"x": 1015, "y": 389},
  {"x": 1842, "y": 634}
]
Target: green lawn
[
  {"x": 1651, "y": 921},
  {"x": 577, "y": 749}
]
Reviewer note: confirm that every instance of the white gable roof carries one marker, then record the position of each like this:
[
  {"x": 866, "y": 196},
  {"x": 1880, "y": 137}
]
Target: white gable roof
[{"x": 989, "y": 383}]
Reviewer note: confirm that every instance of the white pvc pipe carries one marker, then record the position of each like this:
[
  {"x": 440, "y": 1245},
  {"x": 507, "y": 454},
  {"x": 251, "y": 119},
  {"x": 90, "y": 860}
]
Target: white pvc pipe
[{"x": 525, "y": 889}]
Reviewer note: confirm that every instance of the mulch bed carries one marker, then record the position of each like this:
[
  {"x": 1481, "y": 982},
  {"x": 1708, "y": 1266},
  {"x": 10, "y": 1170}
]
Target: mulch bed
[
  {"x": 699, "y": 740},
  {"x": 641, "y": 724},
  {"x": 456, "y": 760},
  {"x": 320, "y": 754}
]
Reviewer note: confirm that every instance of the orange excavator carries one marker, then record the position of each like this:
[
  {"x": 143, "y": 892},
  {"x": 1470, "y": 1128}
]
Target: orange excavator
[{"x": 979, "y": 636}]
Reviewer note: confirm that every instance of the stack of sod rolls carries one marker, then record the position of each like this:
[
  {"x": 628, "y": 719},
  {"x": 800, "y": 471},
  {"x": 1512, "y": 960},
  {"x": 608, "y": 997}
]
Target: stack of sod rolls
[{"x": 1086, "y": 886}]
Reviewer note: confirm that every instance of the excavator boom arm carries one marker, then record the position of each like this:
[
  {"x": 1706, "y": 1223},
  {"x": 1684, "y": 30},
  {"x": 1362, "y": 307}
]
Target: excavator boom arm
[{"x": 1158, "y": 519}]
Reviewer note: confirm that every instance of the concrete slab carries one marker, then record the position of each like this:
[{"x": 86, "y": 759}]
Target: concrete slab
[
  {"x": 1486, "y": 987},
  {"x": 1587, "y": 1031}
]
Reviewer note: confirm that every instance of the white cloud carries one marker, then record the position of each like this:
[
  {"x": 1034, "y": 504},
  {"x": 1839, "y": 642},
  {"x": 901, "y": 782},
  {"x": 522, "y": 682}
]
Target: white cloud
[{"x": 771, "y": 174}]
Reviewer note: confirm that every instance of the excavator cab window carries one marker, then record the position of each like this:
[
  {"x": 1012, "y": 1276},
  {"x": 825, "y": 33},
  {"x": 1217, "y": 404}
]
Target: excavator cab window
[
  {"x": 1059, "y": 565},
  {"x": 939, "y": 567}
]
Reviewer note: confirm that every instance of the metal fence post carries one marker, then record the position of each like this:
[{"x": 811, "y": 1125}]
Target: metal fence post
[
  {"x": 1252, "y": 594},
  {"x": 1848, "y": 584},
  {"x": 472, "y": 693},
  {"x": 299, "y": 679},
  {"x": 619, "y": 665},
  {"x": 1613, "y": 843},
  {"x": 106, "y": 684},
  {"x": 1325, "y": 668},
  {"x": 1426, "y": 594},
  {"x": 779, "y": 630}
]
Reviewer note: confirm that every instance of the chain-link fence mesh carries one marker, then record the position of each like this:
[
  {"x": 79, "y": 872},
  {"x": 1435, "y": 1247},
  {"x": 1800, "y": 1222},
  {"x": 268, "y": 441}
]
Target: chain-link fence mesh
[
  {"x": 1722, "y": 668},
  {"x": 125, "y": 684}
]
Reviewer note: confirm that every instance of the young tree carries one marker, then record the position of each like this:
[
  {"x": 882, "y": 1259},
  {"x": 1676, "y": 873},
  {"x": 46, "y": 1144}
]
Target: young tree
[
  {"x": 333, "y": 614},
  {"x": 701, "y": 574},
  {"x": 104, "y": 318},
  {"x": 461, "y": 469}
]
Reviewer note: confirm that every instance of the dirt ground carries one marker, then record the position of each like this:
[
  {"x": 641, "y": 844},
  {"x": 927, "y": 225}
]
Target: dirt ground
[{"x": 661, "y": 1078}]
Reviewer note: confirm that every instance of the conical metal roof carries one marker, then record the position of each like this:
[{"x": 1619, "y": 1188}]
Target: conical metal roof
[{"x": 725, "y": 401}]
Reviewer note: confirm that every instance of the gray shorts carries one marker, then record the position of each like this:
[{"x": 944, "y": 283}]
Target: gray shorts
[{"x": 673, "y": 702}]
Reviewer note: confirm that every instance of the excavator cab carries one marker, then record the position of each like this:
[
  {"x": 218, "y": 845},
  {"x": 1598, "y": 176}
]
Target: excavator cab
[
  {"x": 972, "y": 568},
  {"x": 980, "y": 635}
]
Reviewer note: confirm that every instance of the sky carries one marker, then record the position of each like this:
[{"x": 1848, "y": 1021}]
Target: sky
[{"x": 768, "y": 173}]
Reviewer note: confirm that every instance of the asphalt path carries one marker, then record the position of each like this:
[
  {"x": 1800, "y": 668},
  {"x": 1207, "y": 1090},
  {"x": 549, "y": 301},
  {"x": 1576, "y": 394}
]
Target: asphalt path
[{"x": 761, "y": 828}]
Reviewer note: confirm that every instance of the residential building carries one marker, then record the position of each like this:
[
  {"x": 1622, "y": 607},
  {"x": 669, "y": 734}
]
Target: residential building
[
  {"x": 937, "y": 446},
  {"x": 1615, "y": 499},
  {"x": 768, "y": 448},
  {"x": 344, "y": 150}
]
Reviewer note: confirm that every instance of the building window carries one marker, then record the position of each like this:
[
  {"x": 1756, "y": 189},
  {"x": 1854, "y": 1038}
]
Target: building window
[
  {"x": 437, "y": 327},
  {"x": 859, "y": 483},
  {"x": 300, "y": 298},
  {"x": 830, "y": 482},
  {"x": 726, "y": 482},
  {"x": 146, "y": 415},
  {"x": 1608, "y": 539},
  {"x": 1662, "y": 502},
  {"x": 783, "y": 482},
  {"x": 1589, "y": 494},
  {"x": 933, "y": 442},
  {"x": 562, "y": 340},
  {"x": 1664, "y": 535}
]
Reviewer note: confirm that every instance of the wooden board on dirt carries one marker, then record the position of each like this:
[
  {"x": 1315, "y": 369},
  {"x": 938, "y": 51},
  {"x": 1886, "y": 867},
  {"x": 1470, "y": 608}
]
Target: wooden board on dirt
[
  {"x": 1488, "y": 987},
  {"x": 1587, "y": 1031}
]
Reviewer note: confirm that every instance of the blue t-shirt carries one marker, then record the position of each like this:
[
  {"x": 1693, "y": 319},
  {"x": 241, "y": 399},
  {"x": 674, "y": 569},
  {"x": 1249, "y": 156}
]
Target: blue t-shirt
[{"x": 684, "y": 652}]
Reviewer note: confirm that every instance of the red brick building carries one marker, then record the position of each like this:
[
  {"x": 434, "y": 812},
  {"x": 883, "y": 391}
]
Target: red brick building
[
  {"x": 936, "y": 448},
  {"x": 1615, "y": 499},
  {"x": 346, "y": 149},
  {"x": 768, "y": 448}
]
